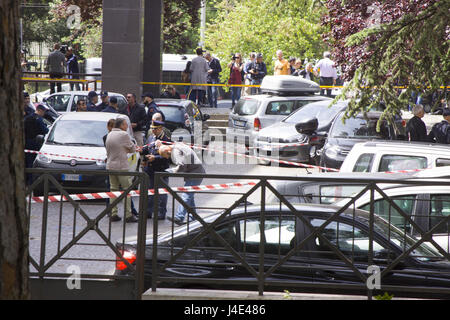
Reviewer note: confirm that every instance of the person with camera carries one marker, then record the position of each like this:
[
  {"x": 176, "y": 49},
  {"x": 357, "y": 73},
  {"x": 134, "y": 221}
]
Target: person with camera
[
  {"x": 247, "y": 75},
  {"x": 56, "y": 64},
  {"x": 236, "y": 77},
  {"x": 258, "y": 71}
]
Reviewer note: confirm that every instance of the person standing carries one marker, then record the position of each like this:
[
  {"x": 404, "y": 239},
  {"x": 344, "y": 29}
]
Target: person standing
[
  {"x": 328, "y": 73},
  {"x": 186, "y": 77},
  {"x": 186, "y": 161},
  {"x": 27, "y": 107},
  {"x": 292, "y": 62},
  {"x": 308, "y": 73},
  {"x": 281, "y": 66},
  {"x": 92, "y": 102},
  {"x": 247, "y": 75},
  {"x": 440, "y": 132},
  {"x": 105, "y": 101},
  {"x": 112, "y": 107},
  {"x": 34, "y": 126},
  {"x": 118, "y": 145},
  {"x": 170, "y": 92},
  {"x": 56, "y": 64},
  {"x": 73, "y": 68},
  {"x": 213, "y": 78},
  {"x": 81, "y": 105},
  {"x": 199, "y": 73},
  {"x": 138, "y": 118},
  {"x": 153, "y": 162},
  {"x": 258, "y": 71},
  {"x": 416, "y": 130},
  {"x": 152, "y": 108},
  {"x": 236, "y": 77}
]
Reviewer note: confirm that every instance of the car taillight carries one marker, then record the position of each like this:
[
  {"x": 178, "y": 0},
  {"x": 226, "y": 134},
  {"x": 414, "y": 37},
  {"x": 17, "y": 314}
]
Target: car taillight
[
  {"x": 314, "y": 139},
  {"x": 257, "y": 124},
  {"x": 403, "y": 123},
  {"x": 128, "y": 256}
]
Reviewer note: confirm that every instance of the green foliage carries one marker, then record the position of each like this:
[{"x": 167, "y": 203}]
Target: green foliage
[
  {"x": 412, "y": 52},
  {"x": 265, "y": 26},
  {"x": 385, "y": 296}
]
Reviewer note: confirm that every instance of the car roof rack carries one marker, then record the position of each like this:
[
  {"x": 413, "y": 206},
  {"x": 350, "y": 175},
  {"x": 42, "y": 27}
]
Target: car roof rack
[{"x": 288, "y": 85}]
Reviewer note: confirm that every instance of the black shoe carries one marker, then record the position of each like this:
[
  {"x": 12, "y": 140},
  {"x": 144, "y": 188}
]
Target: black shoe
[
  {"x": 176, "y": 221},
  {"x": 131, "y": 219},
  {"x": 115, "y": 218}
]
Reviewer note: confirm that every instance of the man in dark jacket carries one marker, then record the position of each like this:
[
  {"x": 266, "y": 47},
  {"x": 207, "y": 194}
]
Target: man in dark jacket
[
  {"x": 34, "y": 125},
  {"x": 152, "y": 108},
  {"x": 73, "y": 68},
  {"x": 258, "y": 70},
  {"x": 112, "y": 107},
  {"x": 154, "y": 162},
  {"x": 440, "y": 132},
  {"x": 213, "y": 78},
  {"x": 138, "y": 118},
  {"x": 92, "y": 102},
  {"x": 416, "y": 129}
]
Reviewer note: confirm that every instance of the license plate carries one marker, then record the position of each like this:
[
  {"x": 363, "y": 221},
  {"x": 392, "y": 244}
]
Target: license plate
[
  {"x": 239, "y": 123},
  {"x": 71, "y": 177}
]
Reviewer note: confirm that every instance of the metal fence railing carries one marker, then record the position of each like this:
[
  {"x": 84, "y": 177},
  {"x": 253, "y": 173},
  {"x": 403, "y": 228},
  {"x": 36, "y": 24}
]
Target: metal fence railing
[{"x": 284, "y": 245}]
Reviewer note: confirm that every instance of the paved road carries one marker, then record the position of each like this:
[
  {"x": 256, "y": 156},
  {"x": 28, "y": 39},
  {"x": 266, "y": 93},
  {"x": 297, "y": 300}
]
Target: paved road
[{"x": 70, "y": 220}]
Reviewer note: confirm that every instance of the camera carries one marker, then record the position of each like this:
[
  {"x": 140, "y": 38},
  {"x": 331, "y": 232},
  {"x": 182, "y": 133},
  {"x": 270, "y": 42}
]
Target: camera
[{"x": 63, "y": 49}]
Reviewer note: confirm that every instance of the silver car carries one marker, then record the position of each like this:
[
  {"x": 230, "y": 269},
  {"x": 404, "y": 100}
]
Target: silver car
[
  {"x": 64, "y": 102},
  {"x": 281, "y": 96}
]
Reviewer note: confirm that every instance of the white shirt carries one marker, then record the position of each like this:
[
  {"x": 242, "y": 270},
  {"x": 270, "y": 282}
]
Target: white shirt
[{"x": 327, "y": 68}]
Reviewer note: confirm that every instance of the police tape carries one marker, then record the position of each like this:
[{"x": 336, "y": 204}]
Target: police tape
[
  {"x": 116, "y": 194},
  {"x": 63, "y": 155}
]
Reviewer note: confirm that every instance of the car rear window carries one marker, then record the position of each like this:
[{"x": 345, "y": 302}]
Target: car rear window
[
  {"x": 400, "y": 162},
  {"x": 173, "y": 113},
  {"x": 280, "y": 108},
  {"x": 246, "y": 107}
]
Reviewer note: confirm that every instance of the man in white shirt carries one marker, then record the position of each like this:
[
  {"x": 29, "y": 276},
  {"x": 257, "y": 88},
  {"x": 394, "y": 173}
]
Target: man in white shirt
[{"x": 328, "y": 73}]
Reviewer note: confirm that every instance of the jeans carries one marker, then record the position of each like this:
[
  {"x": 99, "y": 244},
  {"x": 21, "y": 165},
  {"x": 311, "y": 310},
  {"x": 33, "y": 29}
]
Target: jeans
[
  {"x": 326, "y": 81},
  {"x": 212, "y": 94},
  {"x": 58, "y": 85},
  {"x": 197, "y": 96},
  {"x": 188, "y": 198},
  {"x": 235, "y": 94},
  {"x": 256, "y": 90},
  {"x": 162, "y": 203}
]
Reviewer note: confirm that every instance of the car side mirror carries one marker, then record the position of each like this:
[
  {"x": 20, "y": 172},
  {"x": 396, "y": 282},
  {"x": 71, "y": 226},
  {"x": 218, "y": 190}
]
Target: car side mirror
[
  {"x": 206, "y": 117},
  {"x": 40, "y": 140},
  {"x": 307, "y": 126}
]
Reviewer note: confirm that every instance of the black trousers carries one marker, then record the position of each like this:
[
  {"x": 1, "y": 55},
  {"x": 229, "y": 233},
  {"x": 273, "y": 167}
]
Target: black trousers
[
  {"x": 326, "y": 81},
  {"x": 58, "y": 85}
]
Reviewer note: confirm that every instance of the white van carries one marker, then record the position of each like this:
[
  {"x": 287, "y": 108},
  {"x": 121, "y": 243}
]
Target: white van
[{"x": 388, "y": 156}]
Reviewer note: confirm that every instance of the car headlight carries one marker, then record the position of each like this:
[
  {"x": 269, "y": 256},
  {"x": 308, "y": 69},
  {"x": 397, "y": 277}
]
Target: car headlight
[
  {"x": 295, "y": 139},
  {"x": 43, "y": 158},
  {"x": 100, "y": 163}
]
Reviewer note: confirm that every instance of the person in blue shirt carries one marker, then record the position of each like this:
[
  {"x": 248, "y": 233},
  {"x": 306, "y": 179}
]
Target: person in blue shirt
[
  {"x": 34, "y": 126},
  {"x": 112, "y": 107},
  {"x": 152, "y": 108},
  {"x": 154, "y": 162},
  {"x": 92, "y": 102},
  {"x": 105, "y": 101}
]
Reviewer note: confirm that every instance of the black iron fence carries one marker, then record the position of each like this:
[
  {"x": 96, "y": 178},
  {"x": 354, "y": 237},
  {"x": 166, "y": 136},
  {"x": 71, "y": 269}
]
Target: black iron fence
[
  {"x": 261, "y": 236},
  {"x": 337, "y": 248}
]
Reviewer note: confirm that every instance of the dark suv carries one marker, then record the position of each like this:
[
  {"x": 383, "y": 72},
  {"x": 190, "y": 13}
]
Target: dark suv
[{"x": 363, "y": 127}]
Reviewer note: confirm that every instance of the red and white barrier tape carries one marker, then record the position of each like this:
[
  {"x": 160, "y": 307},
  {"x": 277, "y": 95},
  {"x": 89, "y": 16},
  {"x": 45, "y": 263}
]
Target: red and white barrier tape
[
  {"x": 116, "y": 194},
  {"x": 62, "y": 155}
]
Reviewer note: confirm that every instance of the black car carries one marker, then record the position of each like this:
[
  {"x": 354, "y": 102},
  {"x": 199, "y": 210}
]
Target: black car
[
  {"x": 363, "y": 127},
  {"x": 313, "y": 267},
  {"x": 185, "y": 120}
]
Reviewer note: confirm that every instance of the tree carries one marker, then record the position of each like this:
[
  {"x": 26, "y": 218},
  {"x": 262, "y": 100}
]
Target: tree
[
  {"x": 13, "y": 226},
  {"x": 381, "y": 45},
  {"x": 266, "y": 26}
]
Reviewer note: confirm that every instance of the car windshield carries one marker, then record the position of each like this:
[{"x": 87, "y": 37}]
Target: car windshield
[
  {"x": 422, "y": 252},
  {"x": 76, "y": 132},
  {"x": 173, "y": 113},
  {"x": 323, "y": 113},
  {"x": 357, "y": 128},
  {"x": 246, "y": 107}
]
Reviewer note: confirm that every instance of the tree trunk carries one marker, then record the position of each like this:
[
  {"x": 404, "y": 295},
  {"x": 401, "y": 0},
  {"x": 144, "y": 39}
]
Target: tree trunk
[{"x": 13, "y": 220}]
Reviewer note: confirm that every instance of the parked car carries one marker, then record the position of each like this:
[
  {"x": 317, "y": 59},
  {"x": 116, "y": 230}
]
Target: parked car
[
  {"x": 383, "y": 156},
  {"x": 426, "y": 205},
  {"x": 313, "y": 264},
  {"x": 67, "y": 101},
  {"x": 79, "y": 134},
  {"x": 344, "y": 135},
  {"x": 185, "y": 120},
  {"x": 270, "y": 140},
  {"x": 281, "y": 96}
]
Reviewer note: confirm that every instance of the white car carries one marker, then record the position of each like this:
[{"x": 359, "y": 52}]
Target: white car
[
  {"x": 64, "y": 102},
  {"x": 388, "y": 156},
  {"x": 75, "y": 141},
  {"x": 426, "y": 205}
]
